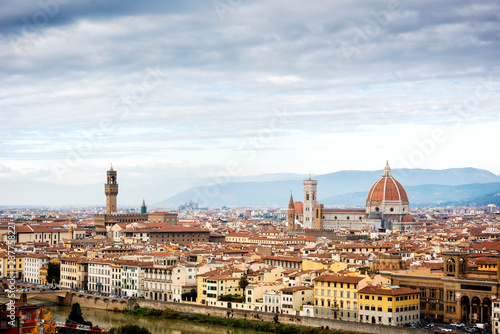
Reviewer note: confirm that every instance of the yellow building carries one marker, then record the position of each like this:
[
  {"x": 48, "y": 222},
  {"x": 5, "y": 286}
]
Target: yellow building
[
  {"x": 74, "y": 273},
  {"x": 221, "y": 285},
  {"x": 389, "y": 305},
  {"x": 313, "y": 265},
  {"x": 273, "y": 274},
  {"x": 11, "y": 265},
  {"x": 489, "y": 264},
  {"x": 336, "y": 297},
  {"x": 43, "y": 275}
]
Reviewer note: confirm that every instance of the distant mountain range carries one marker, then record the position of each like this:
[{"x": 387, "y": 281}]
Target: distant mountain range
[
  {"x": 458, "y": 186},
  {"x": 349, "y": 189}
]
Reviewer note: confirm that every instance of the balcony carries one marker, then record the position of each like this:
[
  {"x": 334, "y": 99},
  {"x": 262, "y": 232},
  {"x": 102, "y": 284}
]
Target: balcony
[{"x": 160, "y": 280}]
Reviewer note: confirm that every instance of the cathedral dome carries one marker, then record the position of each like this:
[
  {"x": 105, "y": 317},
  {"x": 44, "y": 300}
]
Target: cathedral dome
[
  {"x": 387, "y": 188},
  {"x": 408, "y": 219}
]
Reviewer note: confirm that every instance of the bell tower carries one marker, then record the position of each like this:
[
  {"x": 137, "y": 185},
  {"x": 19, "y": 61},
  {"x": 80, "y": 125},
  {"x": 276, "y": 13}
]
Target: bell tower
[
  {"x": 111, "y": 191},
  {"x": 455, "y": 264},
  {"x": 310, "y": 197},
  {"x": 291, "y": 214}
]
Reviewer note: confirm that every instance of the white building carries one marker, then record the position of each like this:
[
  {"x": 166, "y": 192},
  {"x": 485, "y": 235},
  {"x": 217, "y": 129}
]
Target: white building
[
  {"x": 100, "y": 276},
  {"x": 158, "y": 283},
  {"x": 293, "y": 298},
  {"x": 495, "y": 317},
  {"x": 32, "y": 265},
  {"x": 272, "y": 301},
  {"x": 132, "y": 279},
  {"x": 183, "y": 280},
  {"x": 158, "y": 277},
  {"x": 116, "y": 279}
]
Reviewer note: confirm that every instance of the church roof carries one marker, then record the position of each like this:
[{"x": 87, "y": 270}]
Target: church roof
[{"x": 387, "y": 188}]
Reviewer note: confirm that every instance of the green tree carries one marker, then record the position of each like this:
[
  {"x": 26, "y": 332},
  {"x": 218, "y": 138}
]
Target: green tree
[
  {"x": 129, "y": 329},
  {"x": 243, "y": 283},
  {"x": 190, "y": 296},
  {"x": 53, "y": 272},
  {"x": 75, "y": 316}
]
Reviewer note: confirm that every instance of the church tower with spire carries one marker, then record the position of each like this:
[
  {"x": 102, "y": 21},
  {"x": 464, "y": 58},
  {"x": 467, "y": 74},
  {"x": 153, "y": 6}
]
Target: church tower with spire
[
  {"x": 144, "y": 210},
  {"x": 291, "y": 214},
  {"x": 111, "y": 191}
]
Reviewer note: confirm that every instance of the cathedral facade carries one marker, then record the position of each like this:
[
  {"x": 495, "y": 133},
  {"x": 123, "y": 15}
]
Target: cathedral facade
[{"x": 387, "y": 206}]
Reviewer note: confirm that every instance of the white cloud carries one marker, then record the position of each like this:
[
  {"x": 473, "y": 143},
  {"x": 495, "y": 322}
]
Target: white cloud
[{"x": 77, "y": 92}]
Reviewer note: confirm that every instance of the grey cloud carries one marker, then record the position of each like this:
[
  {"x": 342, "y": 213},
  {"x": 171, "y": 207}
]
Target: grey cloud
[{"x": 223, "y": 77}]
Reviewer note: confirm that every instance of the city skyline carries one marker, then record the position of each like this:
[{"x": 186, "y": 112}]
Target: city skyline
[{"x": 236, "y": 88}]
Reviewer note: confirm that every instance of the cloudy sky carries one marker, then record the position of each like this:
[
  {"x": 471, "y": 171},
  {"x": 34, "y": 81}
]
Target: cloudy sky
[{"x": 185, "y": 89}]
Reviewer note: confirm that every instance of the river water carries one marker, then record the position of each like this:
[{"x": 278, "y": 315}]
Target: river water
[{"x": 108, "y": 319}]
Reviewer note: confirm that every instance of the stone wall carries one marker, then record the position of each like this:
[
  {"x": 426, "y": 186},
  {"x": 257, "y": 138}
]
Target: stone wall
[
  {"x": 101, "y": 303},
  {"x": 343, "y": 326}
]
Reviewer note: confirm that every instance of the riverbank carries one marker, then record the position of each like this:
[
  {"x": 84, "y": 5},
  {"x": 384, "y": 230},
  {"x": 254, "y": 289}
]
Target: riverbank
[
  {"x": 156, "y": 325},
  {"x": 261, "y": 326},
  {"x": 220, "y": 312}
]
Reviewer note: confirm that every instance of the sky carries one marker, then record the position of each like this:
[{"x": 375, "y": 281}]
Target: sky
[{"x": 230, "y": 88}]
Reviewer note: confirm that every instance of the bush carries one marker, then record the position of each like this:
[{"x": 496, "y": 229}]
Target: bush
[
  {"x": 129, "y": 329},
  {"x": 232, "y": 298},
  {"x": 153, "y": 312}
]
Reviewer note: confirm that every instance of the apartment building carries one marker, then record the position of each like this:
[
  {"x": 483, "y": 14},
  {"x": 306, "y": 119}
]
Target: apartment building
[
  {"x": 100, "y": 276},
  {"x": 132, "y": 278},
  {"x": 336, "y": 297},
  {"x": 74, "y": 273},
  {"x": 116, "y": 278},
  {"x": 32, "y": 264},
  {"x": 389, "y": 305},
  {"x": 292, "y": 299},
  {"x": 12, "y": 265}
]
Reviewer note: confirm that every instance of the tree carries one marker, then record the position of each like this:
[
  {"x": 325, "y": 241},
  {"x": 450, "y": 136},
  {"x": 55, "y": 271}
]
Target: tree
[
  {"x": 53, "y": 272},
  {"x": 243, "y": 283},
  {"x": 48, "y": 328},
  {"x": 190, "y": 296},
  {"x": 129, "y": 329},
  {"x": 75, "y": 316}
]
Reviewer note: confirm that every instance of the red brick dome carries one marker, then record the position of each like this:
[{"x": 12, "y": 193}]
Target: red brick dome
[
  {"x": 387, "y": 188},
  {"x": 408, "y": 219}
]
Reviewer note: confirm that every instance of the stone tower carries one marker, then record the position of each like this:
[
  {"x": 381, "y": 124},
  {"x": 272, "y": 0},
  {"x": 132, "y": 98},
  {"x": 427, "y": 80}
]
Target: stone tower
[
  {"x": 318, "y": 216},
  {"x": 111, "y": 191},
  {"x": 144, "y": 210},
  {"x": 455, "y": 264},
  {"x": 310, "y": 198},
  {"x": 290, "y": 217}
]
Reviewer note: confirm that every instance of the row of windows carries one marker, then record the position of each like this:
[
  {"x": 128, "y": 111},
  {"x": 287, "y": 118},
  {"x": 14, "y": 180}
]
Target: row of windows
[
  {"x": 341, "y": 285},
  {"x": 412, "y": 307},
  {"x": 390, "y": 298},
  {"x": 341, "y": 293},
  {"x": 340, "y": 304}
]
